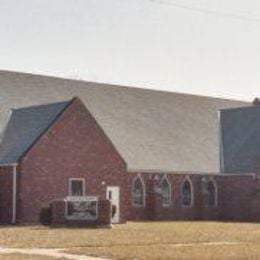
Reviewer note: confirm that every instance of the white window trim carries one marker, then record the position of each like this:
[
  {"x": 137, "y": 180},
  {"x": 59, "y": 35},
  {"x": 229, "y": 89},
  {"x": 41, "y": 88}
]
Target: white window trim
[
  {"x": 187, "y": 178},
  {"x": 216, "y": 193},
  {"x": 170, "y": 188},
  {"x": 144, "y": 192},
  {"x": 77, "y": 179}
]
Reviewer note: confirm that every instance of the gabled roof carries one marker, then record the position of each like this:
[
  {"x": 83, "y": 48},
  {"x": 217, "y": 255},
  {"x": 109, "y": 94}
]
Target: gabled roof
[
  {"x": 240, "y": 132},
  {"x": 152, "y": 130},
  {"x": 25, "y": 126}
]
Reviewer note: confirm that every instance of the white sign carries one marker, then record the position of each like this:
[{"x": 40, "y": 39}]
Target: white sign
[{"x": 82, "y": 208}]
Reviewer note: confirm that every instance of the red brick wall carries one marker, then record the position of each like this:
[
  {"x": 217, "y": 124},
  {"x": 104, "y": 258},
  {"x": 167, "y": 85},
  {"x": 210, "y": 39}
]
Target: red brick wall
[
  {"x": 6, "y": 194},
  {"x": 236, "y": 197},
  {"x": 154, "y": 209},
  {"x": 75, "y": 146},
  {"x": 255, "y": 203},
  {"x": 235, "y": 201}
]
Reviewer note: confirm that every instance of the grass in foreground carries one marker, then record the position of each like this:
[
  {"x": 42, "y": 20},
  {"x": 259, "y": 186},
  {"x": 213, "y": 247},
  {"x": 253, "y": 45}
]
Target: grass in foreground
[
  {"x": 24, "y": 257},
  {"x": 164, "y": 252},
  {"x": 147, "y": 240}
]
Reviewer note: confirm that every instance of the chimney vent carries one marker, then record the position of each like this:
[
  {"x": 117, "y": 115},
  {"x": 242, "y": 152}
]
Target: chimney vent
[{"x": 256, "y": 102}]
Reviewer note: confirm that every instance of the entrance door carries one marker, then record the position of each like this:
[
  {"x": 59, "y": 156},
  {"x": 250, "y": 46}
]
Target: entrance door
[{"x": 113, "y": 196}]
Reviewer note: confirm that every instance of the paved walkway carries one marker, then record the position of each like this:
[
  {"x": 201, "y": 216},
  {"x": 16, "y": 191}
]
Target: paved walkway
[
  {"x": 59, "y": 253},
  {"x": 55, "y": 253}
]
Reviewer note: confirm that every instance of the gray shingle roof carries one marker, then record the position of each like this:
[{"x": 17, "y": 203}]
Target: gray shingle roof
[
  {"x": 24, "y": 127},
  {"x": 240, "y": 130},
  {"x": 152, "y": 130}
]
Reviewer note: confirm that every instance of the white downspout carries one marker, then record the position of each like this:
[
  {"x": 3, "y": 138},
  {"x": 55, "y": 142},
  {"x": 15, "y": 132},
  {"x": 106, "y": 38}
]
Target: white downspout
[
  {"x": 14, "y": 193},
  {"x": 220, "y": 143}
]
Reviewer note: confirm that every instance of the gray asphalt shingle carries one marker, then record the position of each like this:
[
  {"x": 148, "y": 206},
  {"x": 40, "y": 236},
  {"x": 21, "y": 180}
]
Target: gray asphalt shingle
[
  {"x": 152, "y": 130},
  {"x": 24, "y": 127},
  {"x": 240, "y": 130}
]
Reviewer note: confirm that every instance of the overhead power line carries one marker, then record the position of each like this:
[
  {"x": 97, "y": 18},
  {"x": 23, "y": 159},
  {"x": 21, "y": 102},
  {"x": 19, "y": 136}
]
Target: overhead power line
[{"x": 207, "y": 11}]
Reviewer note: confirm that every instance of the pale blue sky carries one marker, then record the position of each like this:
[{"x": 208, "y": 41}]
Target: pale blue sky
[{"x": 136, "y": 42}]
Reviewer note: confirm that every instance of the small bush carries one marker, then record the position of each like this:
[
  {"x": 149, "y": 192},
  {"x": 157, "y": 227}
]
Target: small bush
[
  {"x": 45, "y": 216},
  {"x": 113, "y": 210}
]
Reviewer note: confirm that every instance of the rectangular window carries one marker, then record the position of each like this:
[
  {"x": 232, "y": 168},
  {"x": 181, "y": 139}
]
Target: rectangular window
[{"x": 77, "y": 187}]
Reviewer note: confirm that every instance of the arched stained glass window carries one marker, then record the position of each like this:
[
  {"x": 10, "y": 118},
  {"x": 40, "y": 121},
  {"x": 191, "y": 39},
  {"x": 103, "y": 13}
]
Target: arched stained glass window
[
  {"x": 165, "y": 192},
  {"x": 211, "y": 194},
  {"x": 187, "y": 193},
  {"x": 138, "y": 192}
]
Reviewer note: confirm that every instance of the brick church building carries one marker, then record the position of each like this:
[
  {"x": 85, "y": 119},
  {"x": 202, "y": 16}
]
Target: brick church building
[{"x": 155, "y": 155}]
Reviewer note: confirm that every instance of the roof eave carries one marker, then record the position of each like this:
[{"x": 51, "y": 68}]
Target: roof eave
[{"x": 8, "y": 164}]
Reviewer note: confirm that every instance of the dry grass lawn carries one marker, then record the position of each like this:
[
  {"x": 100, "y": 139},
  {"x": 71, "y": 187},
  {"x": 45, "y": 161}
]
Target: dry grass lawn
[
  {"x": 145, "y": 240},
  {"x": 24, "y": 257}
]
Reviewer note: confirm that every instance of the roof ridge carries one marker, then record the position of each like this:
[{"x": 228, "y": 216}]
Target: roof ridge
[{"x": 131, "y": 87}]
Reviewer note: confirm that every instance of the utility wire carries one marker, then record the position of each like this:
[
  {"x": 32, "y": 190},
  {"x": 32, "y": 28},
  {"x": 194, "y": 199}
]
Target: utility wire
[{"x": 207, "y": 11}]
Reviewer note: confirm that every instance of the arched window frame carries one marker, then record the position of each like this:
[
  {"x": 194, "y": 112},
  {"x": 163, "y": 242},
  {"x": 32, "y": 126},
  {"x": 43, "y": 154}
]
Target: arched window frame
[
  {"x": 187, "y": 178},
  {"x": 170, "y": 192},
  {"x": 213, "y": 181},
  {"x": 138, "y": 177}
]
